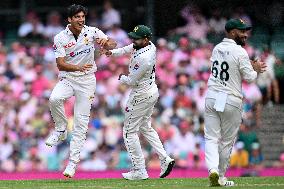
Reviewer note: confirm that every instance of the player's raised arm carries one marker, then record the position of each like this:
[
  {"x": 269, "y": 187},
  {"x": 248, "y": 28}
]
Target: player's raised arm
[
  {"x": 102, "y": 39},
  {"x": 118, "y": 51},
  {"x": 246, "y": 69},
  {"x": 106, "y": 43}
]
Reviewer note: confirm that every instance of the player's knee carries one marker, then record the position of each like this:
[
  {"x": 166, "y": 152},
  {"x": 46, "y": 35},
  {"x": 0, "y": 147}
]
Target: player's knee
[
  {"x": 147, "y": 129},
  {"x": 82, "y": 121},
  {"x": 128, "y": 132},
  {"x": 124, "y": 132}
]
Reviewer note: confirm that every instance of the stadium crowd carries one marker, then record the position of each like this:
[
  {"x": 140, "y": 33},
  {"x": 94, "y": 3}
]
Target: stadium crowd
[{"x": 28, "y": 73}]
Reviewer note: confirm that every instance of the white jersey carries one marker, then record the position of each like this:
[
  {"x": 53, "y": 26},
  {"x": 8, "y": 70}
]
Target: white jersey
[
  {"x": 230, "y": 64},
  {"x": 78, "y": 51},
  {"x": 141, "y": 76}
]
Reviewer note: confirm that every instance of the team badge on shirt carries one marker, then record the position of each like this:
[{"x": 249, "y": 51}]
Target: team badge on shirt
[
  {"x": 86, "y": 40},
  {"x": 54, "y": 47},
  {"x": 136, "y": 67},
  {"x": 91, "y": 98}
]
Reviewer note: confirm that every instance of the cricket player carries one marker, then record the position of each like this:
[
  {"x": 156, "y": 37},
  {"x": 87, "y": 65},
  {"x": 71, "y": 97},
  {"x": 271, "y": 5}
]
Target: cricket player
[
  {"x": 223, "y": 104},
  {"x": 74, "y": 52},
  {"x": 140, "y": 105}
]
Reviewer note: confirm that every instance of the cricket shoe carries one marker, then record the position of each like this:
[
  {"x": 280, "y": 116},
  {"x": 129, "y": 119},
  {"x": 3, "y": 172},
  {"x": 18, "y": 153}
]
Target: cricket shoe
[
  {"x": 55, "y": 138},
  {"x": 223, "y": 181},
  {"x": 167, "y": 165},
  {"x": 214, "y": 178},
  {"x": 140, "y": 174},
  {"x": 70, "y": 169}
]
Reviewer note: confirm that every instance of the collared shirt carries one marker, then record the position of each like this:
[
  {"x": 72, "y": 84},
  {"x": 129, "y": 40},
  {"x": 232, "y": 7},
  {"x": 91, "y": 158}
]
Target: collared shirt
[
  {"x": 141, "y": 76},
  {"x": 230, "y": 64},
  {"x": 78, "y": 51}
]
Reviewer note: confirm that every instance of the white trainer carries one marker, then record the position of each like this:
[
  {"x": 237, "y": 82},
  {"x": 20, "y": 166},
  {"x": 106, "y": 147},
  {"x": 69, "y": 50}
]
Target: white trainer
[
  {"x": 70, "y": 170},
  {"x": 167, "y": 165},
  {"x": 214, "y": 178},
  {"x": 225, "y": 182},
  {"x": 136, "y": 175},
  {"x": 55, "y": 138}
]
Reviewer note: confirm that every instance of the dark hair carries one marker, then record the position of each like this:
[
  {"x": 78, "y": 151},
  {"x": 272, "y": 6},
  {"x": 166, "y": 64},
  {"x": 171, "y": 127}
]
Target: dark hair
[{"x": 74, "y": 9}]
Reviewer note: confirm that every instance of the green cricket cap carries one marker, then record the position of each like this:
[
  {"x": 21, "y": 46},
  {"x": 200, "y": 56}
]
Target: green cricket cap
[
  {"x": 139, "y": 32},
  {"x": 236, "y": 24}
]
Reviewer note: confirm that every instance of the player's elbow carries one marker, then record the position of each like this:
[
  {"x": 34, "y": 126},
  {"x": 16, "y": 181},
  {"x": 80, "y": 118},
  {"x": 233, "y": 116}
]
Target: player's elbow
[{"x": 60, "y": 67}]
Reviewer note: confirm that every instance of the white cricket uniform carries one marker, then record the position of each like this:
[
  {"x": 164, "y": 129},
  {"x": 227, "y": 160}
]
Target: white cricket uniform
[
  {"x": 141, "y": 102},
  {"x": 82, "y": 85},
  {"x": 223, "y": 106}
]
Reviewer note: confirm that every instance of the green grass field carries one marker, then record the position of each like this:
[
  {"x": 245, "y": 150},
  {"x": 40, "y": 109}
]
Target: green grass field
[{"x": 188, "y": 183}]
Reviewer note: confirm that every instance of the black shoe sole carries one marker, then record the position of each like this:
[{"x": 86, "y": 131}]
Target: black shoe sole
[{"x": 169, "y": 169}]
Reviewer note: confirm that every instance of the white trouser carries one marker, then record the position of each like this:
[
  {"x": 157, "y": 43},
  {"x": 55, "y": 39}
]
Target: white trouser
[
  {"x": 83, "y": 88},
  {"x": 138, "y": 119},
  {"x": 221, "y": 129}
]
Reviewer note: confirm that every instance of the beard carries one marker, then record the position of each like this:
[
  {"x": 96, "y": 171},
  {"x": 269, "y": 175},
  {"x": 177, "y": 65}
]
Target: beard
[
  {"x": 136, "y": 47},
  {"x": 239, "y": 41}
]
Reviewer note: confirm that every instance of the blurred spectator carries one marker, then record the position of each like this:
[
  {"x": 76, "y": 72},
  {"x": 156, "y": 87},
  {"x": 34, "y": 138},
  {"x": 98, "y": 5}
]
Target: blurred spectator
[
  {"x": 266, "y": 81},
  {"x": 3, "y": 57},
  {"x": 178, "y": 149},
  {"x": 110, "y": 16},
  {"x": 119, "y": 35},
  {"x": 196, "y": 159},
  {"x": 166, "y": 131},
  {"x": 196, "y": 28},
  {"x": 163, "y": 52},
  {"x": 93, "y": 19},
  {"x": 247, "y": 136},
  {"x": 6, "y": 148},
  {"x": 256, "y": 158},
  {"x": 94, "y": 164},
  {"x": 279, "y": 75},
  {"x": 252, "y": 102},
  {"x": 182, "y": 52},
  {"x": 217, "y": 22},
  {"x": 41, "y": 83},
  {"x": 280, "y": 162},
  {"x": 154, "y": 162},
  {"x": 32, "y": 28},
  {"x": 240, "y": 157},
  {"x": 199, "y": 94},
  {"x": 53, "y": 25}
]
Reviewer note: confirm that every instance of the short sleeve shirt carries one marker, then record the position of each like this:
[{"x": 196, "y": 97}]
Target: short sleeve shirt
[{"x": 77, "y": 51}]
